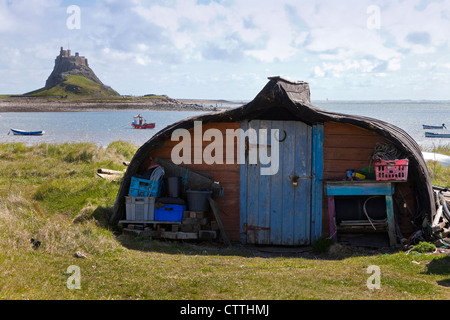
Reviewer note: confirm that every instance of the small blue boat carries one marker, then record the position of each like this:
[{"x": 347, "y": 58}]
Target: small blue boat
[
  {"x": 435, "y": 127},
  {"x": 17, "y": 132},
  {"x": 436, "y": 135}
]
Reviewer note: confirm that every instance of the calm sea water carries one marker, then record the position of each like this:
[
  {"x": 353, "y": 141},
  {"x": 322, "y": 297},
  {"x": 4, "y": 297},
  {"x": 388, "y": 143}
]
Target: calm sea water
[
  {"x": 100, "y": 128},
  {"x": 103, "y": 128},
  {"x": 407, "y": 115}
]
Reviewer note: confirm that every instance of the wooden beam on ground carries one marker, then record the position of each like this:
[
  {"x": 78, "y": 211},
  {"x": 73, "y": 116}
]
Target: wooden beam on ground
[
  {"x": 109, "y": 171},
  {"x": 216, "y": 211}
]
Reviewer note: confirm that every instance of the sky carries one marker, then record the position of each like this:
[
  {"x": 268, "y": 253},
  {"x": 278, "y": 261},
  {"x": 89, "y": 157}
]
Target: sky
[{"x": 226, "y": 49}]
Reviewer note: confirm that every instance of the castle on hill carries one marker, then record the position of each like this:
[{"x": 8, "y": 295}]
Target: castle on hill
[
  {"x": 66, "y": 64},
  {"x": 77, "y": 59},
  {"x": 71, "y": 75}
]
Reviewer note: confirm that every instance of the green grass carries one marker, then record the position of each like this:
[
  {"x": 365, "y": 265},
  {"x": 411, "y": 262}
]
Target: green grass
[
  {"x": 51, "y": 193},
  {"x": 75, "y": 85},
  {"x": 81, "y": 89},
  {"x": 440, "y": 175},
  {"x": 423, "y": 247}
]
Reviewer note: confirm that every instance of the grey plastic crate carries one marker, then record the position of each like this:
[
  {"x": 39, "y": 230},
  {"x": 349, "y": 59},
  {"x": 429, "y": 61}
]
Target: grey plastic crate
[{"x": 140, "y": 208}]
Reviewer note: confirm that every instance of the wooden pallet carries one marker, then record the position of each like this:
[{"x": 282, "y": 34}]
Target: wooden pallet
[
  {"x": 195, "y": 225},
  {"x": 179, "y": 235},
  {"x": 362, "y": 226}
]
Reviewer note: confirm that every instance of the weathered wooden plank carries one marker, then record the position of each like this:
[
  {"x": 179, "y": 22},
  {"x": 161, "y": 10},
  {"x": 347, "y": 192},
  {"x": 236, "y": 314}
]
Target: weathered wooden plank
[
  {"x": 288, "y": 190},
  {"x": 342, "y": 165},
  {"x": 179, "y": 235},
  {"x": 346, "y": 129},
  {"x": 339, "y": 153},
  {"x": 212, "y": 168},
  {"x": 317, "y": 185},
  {"x": 276, "y": 195},
  {"x": 264, "y": 195},
  {"x": 332, "y": 217},
  {"x": 253, "y": 203},
  {"x": 253, "y": 174},
  {"x": 334, "y": 175},
  {"x": 302, "y": 199},
  {"x": 243, "y": 195},
  {"x": 216, "y": 212},
  {"x": 230, "y": 178},
  {"x": 346, "y": 141},
  {"x": 391, "y": 220},
  {"x": 359, "y": 189},
  {"x": 230, "y": 210},
  {"x": 222, "y": 126}
]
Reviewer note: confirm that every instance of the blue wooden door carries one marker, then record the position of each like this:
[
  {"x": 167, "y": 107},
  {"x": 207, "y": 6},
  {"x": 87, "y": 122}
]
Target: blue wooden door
[{"x": 277, "y": 209}]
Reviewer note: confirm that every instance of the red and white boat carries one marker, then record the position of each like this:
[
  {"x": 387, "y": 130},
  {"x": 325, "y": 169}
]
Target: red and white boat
[{"x": 140, "y": 123}]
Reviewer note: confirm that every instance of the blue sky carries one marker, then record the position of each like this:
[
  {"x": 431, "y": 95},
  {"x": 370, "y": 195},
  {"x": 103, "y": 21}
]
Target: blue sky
[{"x": 226, "y": 49}]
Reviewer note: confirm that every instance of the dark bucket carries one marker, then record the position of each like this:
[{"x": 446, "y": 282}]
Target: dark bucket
[
  {"x": 172, "y": 187},
  {"x": 198, "y": 200}
]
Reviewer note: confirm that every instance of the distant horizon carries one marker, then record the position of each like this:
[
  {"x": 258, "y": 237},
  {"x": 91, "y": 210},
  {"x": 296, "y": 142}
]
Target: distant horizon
[{"x": 238, "y": 101}]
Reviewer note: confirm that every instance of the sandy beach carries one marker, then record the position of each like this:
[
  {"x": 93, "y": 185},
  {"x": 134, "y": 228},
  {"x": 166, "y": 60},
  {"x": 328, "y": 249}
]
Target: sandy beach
[{"x": 32, "y": 104}]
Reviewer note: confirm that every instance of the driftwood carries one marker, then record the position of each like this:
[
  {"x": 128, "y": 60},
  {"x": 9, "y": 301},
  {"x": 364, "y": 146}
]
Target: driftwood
[
  {"x": 438, "y": 216},
  {"x": 440, "y": 219},
  {"x": 108, "y": 171},
  {"x": 109, "y": 174}
]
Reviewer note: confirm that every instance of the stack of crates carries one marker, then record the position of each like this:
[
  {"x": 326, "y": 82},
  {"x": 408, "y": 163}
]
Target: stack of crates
[{"x": 140, "y": 204}]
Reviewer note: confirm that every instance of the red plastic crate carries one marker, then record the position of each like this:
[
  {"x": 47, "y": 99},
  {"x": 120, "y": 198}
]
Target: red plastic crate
[{"x": 391, "y": 170}]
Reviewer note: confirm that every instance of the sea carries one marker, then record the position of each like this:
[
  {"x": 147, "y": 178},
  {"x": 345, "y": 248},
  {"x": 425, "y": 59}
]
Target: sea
[{"x": 102, "y": 128}]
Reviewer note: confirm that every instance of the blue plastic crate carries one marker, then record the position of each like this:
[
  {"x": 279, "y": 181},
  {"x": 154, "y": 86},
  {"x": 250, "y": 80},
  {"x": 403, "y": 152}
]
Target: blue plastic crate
[
  {"x": 170, "y": 212},
  {"x": 144, "y": 188}
]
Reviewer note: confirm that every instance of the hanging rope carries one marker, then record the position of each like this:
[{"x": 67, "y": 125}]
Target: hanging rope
[
  {"x": 367, "y": 215},
  {"x": 157, "y": 174}
]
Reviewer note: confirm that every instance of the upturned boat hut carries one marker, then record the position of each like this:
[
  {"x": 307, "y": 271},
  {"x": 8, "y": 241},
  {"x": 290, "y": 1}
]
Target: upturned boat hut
[{"x": 283, "y": 172}]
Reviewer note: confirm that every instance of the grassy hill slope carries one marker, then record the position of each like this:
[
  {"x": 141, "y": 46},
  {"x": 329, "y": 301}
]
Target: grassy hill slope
[{"x": 75, "y": 85}]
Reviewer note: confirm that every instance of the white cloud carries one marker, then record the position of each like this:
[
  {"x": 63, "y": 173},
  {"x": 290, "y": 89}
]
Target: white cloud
[
  {"x": 344, "y": 68},
  {"x": 261, "y": 28},
  {"x": 318, "y": 72},
  {"x": 7, "y": 21},
  {"x": 394, "y": 65},
  {"x": 417, "y": 30}
]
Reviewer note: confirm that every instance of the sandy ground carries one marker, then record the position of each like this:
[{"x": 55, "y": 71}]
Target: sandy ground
[{"x": 23, "y": 104}]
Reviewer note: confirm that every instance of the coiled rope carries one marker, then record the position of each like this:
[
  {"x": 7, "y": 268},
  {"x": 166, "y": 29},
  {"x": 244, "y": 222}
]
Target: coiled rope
[{"x": 385, "y": 151}]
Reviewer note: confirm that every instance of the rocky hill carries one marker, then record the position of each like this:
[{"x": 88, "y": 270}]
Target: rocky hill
[
  {"x": 73, "y": 86},
  {"x": 72, "y": 75}
]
